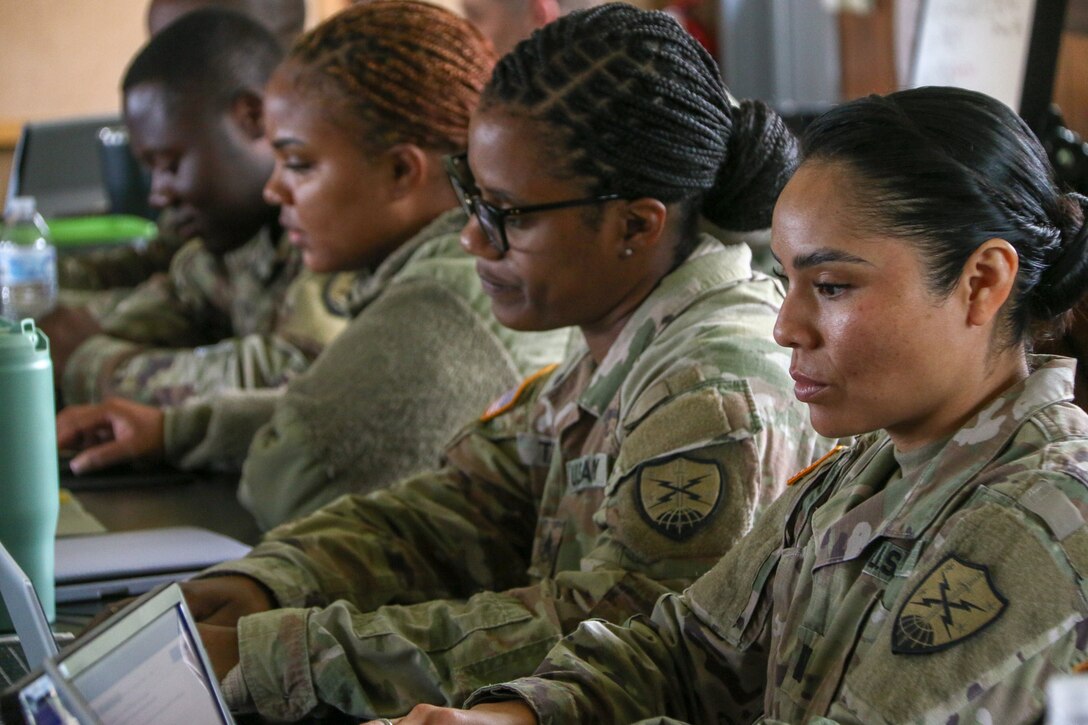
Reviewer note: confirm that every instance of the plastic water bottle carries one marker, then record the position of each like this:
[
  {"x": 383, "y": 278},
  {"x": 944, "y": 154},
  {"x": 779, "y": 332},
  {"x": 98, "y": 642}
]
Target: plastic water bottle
[{"x": 28, "y": 263}]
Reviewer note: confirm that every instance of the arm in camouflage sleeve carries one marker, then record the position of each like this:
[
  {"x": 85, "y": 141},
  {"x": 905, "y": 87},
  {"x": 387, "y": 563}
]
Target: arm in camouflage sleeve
[
  {"x": 383, "y": 662},
  {"x": 678, "y": 662},
  {"x": 123, "y": 266},
  {"x": 103, "y": 366},
  {"x": 378, "y": 405},
  {"x": 443, "y": 533}
]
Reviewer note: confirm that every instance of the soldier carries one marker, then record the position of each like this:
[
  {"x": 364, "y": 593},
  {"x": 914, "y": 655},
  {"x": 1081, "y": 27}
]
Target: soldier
[
  {"x": 360, "y": 181},
  {"x": 935, "y": 570},
  {"x": 592, "y": 488},
  {"x": 235, "y": 310},
  {"x": 128, "y": 266}
]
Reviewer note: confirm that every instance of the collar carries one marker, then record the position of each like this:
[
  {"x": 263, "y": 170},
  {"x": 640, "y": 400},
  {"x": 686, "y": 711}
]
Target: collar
[
  {"x": 884, "y": 500},
  {"x": 709, "y": 268},
  {"x": 262, "y": 256},
  {"x": 368, "y": 284}
]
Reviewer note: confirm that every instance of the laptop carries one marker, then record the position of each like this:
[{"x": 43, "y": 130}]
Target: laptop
[
  {"x": 144, "y": 664},
  {"x": 33, "y": 641},
  {"x": 127, "y": 563}
]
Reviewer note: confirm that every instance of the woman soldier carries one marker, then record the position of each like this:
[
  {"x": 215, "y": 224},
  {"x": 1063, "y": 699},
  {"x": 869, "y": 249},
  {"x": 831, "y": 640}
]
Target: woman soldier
[
  {"x": 935, "y": 571},
  {"x": 360, "y": 116},
  {"x": 589, "y": 490}
]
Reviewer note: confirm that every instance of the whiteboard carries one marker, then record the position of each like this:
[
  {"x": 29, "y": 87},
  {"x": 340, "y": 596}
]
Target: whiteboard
[{"x": 977, "y": 44}]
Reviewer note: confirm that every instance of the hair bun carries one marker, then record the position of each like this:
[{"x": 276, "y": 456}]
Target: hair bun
[
  {"x": 1063, "y": 282},
  {"x": 761, "y": 157}
]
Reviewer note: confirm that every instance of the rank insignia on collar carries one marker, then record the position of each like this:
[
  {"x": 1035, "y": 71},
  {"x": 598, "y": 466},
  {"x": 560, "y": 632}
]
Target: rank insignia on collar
[
  {"x": 678, "y": 496},
  {"x": 955, "y": 601}
]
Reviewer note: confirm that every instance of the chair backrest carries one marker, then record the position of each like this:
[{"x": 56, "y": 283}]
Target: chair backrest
[{"x": 61, "y": 163}]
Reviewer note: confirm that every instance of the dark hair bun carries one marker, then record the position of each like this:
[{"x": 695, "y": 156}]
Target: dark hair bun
[
  {"x": 1063, "y": 282},
  {"x": 761, "y": 157}
]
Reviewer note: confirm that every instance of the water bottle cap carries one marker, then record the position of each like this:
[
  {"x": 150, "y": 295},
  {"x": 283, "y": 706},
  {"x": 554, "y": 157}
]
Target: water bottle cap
[{"x": 21, "y": 207}]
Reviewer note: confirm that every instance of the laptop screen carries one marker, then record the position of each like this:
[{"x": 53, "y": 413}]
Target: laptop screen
[
  {"x": 146, "y": 664},
  {"x": 156, "y": 676}
]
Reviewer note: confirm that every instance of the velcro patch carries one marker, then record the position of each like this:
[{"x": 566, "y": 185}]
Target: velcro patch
[
  {"x": 588, "y": 471},
  {"x": 679, "y": 495},
  {"x": 510, "y": 398},
  {"x": 885, "y": 561},
  {"x": 954, "y": 602}
]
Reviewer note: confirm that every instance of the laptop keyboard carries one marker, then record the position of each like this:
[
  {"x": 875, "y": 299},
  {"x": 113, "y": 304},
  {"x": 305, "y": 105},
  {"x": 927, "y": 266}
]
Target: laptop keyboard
[{"x": 12, "y": 662}]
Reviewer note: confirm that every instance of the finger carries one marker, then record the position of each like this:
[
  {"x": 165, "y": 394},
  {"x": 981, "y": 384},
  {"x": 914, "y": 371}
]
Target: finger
[
  {"x": 74, "y": 423},
  {"x": 102, "y": 456},
  {"x": 106, "y": 612}
]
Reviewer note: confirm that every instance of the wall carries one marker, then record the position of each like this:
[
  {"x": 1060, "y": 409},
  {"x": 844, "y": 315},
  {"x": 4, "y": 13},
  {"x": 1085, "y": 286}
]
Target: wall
[{"x": 65, "y": 58}]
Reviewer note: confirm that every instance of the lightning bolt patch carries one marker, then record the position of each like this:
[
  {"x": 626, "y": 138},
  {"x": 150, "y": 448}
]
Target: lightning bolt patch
[
  {"x": 679, "y": 495},
  {"x": 954, "y": 602}
]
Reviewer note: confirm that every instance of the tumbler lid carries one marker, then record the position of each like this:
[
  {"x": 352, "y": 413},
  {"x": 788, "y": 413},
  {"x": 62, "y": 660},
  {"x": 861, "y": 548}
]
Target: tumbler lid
[{"x": 22, "y": 340}]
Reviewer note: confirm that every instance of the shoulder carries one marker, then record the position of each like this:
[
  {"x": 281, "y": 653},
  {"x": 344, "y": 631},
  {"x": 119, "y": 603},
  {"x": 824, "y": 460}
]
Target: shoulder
[{"x": 194, "y": 260}]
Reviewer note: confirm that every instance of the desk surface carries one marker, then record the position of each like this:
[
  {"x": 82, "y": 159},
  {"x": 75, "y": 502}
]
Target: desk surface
[{"x": 206, "y": 500}]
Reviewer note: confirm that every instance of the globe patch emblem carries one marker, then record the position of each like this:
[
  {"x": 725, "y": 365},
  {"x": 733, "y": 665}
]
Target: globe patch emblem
[
  {"x": 677, "y": 496},
  {"x": 954, "y": 602}
]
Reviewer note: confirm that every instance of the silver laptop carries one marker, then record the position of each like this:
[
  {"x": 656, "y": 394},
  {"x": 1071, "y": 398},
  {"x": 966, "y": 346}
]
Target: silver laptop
[
  {"x": 128, "y": 563},
  {"x": 33, "y": 641},
  {"x": 144, "y": 664}
]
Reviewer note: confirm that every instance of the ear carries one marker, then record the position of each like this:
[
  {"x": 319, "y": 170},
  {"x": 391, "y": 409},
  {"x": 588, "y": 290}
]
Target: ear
[
  {"x": 247, "y": 112},
  {"x": 643, "y": 225},
  {"x": 407, "y": 168},
  {"x": 543, "y": 12},
  {"x": 987, "y": 280}
]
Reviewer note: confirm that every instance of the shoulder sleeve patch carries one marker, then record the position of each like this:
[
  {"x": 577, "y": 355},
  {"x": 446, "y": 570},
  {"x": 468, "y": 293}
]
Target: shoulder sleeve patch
[
  {"x": 814, "y": 465},
  {"x": 510, "y": 398}
]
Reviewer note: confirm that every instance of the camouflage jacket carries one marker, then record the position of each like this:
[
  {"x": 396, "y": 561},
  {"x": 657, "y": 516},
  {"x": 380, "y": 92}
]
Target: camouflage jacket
[
  {"x": 250, "y": 319},
  {"x": 940, "y": 586},
  {"x": 588, "y": 492},
  {"x": 423, "y": 353}
]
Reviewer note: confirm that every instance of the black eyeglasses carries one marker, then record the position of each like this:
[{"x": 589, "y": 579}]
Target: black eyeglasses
[{"x": 493, "y": 218}]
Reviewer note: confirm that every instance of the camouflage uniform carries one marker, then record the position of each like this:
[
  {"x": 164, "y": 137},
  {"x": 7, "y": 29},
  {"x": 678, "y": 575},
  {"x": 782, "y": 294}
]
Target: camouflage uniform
[
  {"x": 1072, "y": 342},
  {"x": 250, "y": 319},
  {"x": 125, "y": 265},
  {"x": 587, "y": 492},
  {"x": 423, "y": 354},
  {"x": 944, "y": 585}
]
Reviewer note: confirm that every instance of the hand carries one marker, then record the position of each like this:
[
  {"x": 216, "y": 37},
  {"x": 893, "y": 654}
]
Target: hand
[
  {"x": 221, "y": 644},
  {"x": 513, "y": 712},
  {"x": 106, "y": 612},
  {"x": 67, "y": 328},
  {"x": 109, "y": 433},
  {"x": 223, "y": 600}
]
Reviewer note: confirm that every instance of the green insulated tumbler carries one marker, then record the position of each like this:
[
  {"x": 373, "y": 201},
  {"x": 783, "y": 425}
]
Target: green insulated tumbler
[{"x": 29, "y": 498}]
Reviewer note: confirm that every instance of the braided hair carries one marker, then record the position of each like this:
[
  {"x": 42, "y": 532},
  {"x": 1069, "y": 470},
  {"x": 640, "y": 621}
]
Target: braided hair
[
  {"x": 948, "y": 169},
  {"x": 639, "y": 108},
  {"x": 407, "y": 71}
]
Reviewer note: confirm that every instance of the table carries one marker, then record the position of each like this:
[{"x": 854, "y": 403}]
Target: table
[{"x": 149, "y": 499}]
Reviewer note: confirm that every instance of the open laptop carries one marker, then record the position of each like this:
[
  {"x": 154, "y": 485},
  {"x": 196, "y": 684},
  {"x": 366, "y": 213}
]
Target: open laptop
[
  {"x": 144, "y": 664},
  {"x": 33, "y": 641},
  {"x": 128, "y": 563}
]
